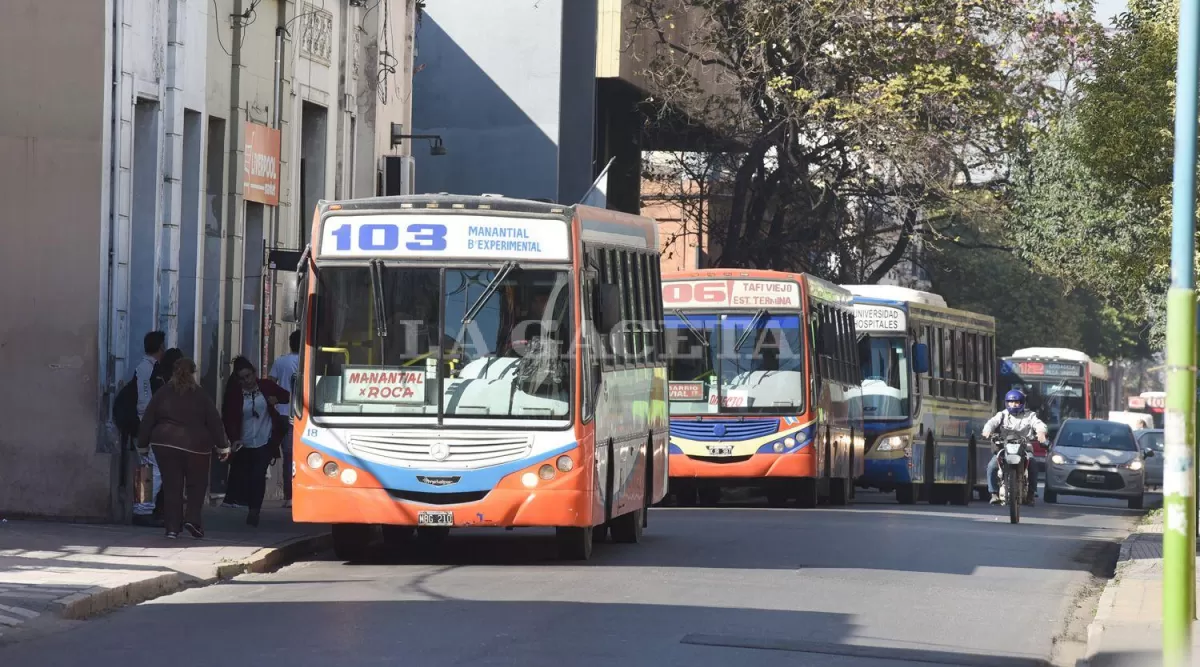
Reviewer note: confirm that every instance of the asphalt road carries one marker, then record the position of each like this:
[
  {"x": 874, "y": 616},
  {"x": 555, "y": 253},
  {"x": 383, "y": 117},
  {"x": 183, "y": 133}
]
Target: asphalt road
[{"x": 871, "y": 584}]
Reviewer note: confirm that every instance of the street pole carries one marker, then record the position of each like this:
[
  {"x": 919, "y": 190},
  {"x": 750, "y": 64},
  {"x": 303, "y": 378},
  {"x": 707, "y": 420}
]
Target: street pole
[{"x": 1179, "y": 503}]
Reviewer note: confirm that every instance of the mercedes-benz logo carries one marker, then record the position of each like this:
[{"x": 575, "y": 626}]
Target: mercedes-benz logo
[{"x": 440, "y": 451}]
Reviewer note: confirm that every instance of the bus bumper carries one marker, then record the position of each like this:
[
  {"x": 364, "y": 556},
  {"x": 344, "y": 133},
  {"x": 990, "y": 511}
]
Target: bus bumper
[
  {"x": 794, "y": 464},
  {"x": 564, "y": 500},
  {"x": 886, "y": 473}
]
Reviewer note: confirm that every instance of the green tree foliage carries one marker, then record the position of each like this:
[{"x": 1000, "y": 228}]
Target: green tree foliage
[
  {"x": 1093, "y": 200},
  {"x": 1030, "y": 307},
  {"x": 851, "y": 127}
]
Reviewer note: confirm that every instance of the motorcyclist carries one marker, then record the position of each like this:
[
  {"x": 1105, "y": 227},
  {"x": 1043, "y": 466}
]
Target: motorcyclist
[{"x": 1025, "y": 424}]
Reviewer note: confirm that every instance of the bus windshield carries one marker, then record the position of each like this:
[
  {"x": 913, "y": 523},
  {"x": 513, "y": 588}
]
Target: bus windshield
[
  {"x": 1055, "y": 401},
  {"x": 711, "y": 374},
  {"x": 486, "y": 342},
  {"x": 885, "y": 383}
]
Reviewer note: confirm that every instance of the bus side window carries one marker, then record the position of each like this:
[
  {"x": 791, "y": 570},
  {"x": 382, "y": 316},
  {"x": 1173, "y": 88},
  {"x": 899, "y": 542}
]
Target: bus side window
[{"x": 660, "y": 339}]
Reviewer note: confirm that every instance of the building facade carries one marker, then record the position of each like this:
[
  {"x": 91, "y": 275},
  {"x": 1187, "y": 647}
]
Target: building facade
[{"x": 164, "y": 155}]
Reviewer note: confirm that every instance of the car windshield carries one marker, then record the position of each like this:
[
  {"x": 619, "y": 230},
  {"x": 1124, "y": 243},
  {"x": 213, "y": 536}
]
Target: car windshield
[
  {"x": 885, "y": 385},
  {"x": 711, "y": 373},
  {"x": 1151, "y": 440},
  {"x": 425, "y": 356},
  {"x": 1096, "y": 435}
]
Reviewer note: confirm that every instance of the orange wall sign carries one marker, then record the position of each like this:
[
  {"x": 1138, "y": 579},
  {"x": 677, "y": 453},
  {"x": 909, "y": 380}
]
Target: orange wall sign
[{"x": 261, "y": 183}]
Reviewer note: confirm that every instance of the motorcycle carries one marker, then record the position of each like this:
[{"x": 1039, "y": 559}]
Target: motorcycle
[{"x": 1015, "y": 460}]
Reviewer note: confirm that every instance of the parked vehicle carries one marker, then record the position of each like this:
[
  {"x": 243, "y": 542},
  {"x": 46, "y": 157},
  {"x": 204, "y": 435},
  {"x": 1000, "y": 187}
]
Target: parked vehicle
[{"x": 1151, "y": 440}]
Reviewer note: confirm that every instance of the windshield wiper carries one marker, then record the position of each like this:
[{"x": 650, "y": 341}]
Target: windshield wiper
[
  {"x": 691, "y": 327},
  {"x": 376, "y": 267},
  {"x": 381, "y": 329},
  {"x": 488, "y": 291},
  {"x": 750, "y": 328}
]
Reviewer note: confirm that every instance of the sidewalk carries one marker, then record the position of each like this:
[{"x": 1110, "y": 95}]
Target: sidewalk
[
  {"x": 72, "y": 571},
  {"x": 1127, "y": 631}
]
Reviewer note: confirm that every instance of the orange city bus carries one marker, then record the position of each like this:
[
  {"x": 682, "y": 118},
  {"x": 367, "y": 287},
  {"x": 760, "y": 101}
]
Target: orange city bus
[
  {"x": 479, "y": 361},
  {"x": 763, "y": 368}
]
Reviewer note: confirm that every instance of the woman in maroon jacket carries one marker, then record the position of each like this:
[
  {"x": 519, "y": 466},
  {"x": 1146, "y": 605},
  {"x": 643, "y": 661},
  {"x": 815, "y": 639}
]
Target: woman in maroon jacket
[
  {"x": 182, "y": 425},
  {"x": 256, "y": 430}
]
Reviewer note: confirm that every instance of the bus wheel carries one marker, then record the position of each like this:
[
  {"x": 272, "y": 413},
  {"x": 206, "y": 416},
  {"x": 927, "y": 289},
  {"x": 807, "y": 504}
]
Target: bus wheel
[
  {"x": 906, "y": 494},
  {"x": 806, "y": 492},
  {"x": 960, "y": 494},
  {"x": 351, "y": 541},
  {"x": 574, "y": 543},
  {"x": 839, "y": 491},
  {"x": 627, "y": 528}
]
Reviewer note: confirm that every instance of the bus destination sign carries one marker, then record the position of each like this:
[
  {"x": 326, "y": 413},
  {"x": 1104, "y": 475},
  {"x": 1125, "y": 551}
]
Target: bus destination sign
[
  {"x": 1049, "y": 369},
  {"x": 878, "y": 318}
]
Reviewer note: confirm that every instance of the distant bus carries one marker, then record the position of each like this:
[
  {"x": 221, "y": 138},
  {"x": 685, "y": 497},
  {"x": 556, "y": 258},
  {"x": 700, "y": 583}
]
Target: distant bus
[
  {"x": 762, "y": 365},
  {"x": 1152, "y": 403},
  {"x": 1059, "y": 383},
  {"x": 928, "y": 386},
  {"x": 479, "y": 361}
]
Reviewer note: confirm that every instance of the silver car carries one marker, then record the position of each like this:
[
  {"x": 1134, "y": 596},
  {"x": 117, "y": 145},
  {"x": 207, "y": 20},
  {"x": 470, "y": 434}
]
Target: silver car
[
  {"x": 1096, "y": 458},
  {"x": 1151, "y": 440}
]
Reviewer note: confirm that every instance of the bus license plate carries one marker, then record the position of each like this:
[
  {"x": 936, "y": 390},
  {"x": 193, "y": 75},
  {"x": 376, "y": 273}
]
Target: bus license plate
[
  {"x": 720, "y": 450},
  {"x": 435, "y": 518},
  {"x": 1095, "y": 479}
]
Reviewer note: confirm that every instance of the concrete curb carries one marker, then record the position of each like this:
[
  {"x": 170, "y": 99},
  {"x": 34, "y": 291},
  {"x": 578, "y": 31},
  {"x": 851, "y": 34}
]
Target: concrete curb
[
  {"x": 1104, "y": 606},
  {"x": 98, "y": 600}
]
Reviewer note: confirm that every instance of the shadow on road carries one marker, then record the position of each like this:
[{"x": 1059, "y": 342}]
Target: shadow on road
[{"x": 467, "y": 632}]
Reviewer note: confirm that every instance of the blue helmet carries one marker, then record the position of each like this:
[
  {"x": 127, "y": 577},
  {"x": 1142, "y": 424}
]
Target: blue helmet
[{"x": 1015, "y": 396}]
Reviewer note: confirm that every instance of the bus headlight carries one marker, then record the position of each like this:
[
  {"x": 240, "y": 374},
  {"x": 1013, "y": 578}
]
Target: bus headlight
[
  {"x": 331, "y": 469},
  {"x": 892, "y": 443},
  {"x": 315, "y": 461},
  {"x": 778, "y": 446},
  {"x": 789, "y": 442},
  {"x": 564, "y": 463},
  {"x": 546, "y": 471},
  {"x": 529, "y": 480},
  {"x": 349, "y": 476}
]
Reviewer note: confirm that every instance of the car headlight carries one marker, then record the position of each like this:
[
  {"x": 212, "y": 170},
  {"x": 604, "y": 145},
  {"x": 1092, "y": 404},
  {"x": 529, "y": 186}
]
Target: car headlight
[
  {"x": 1058, "y": 459},
  {"x": 1135, "y": 465},
  {"x": 892, "y": 443}
]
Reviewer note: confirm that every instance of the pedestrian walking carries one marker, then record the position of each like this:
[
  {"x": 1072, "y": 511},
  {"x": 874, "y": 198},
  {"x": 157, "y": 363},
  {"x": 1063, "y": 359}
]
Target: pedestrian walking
[
  {"x": 255, "y": 427},
  {"x": 182, "y": 428},
  {"x": 154, "y": 345},
  {"x": 283, "y": 373}
]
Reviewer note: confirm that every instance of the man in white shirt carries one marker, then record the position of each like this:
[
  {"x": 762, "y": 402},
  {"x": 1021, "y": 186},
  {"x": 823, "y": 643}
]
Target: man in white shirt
[
  {"x": 283, "y": 373},
  {"x": 154, "y": 345}
]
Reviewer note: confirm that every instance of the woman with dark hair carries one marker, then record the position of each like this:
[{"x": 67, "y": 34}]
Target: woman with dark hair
[
  {"x": 164, "y": 369},
  {"x": 183, "y": 427},
  {"x": 256, "y": 430}
]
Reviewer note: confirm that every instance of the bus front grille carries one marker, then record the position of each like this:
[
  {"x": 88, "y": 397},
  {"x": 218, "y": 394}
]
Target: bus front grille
[
  {"x": 428, "y": 498},
  {"x": 462, "y": 451}
]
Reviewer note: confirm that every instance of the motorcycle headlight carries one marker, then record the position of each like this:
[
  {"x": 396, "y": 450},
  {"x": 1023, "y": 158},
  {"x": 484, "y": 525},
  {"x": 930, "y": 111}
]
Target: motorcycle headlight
[{"x": 892, "y": 443}]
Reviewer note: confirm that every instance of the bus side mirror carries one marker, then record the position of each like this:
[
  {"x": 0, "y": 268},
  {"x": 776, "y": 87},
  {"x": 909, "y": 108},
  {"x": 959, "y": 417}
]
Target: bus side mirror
[
  {"x": 920, "y": 358},
  {"x": 290, "y": 297}
]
